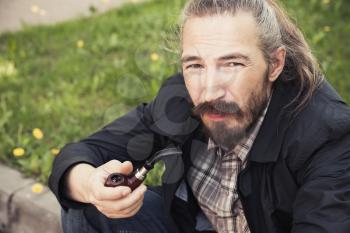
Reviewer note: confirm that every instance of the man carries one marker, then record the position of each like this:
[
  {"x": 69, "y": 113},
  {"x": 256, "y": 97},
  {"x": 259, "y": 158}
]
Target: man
[{"x": 265, "y": 140}]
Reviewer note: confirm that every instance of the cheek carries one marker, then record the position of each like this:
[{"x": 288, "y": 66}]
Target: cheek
[
  {"x": 194, "y": 89},
  {"x": 242, "y": 87}
]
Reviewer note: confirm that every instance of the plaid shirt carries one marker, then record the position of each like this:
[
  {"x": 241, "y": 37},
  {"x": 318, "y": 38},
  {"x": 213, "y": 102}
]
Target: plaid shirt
[{"x": 213, "y": 179}]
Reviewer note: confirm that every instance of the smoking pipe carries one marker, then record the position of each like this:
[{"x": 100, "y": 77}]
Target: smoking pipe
[{"x": 134, "y": 179}]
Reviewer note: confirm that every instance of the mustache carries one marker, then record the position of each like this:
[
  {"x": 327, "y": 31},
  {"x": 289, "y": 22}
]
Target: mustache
[{"x": 218, "y": 107}]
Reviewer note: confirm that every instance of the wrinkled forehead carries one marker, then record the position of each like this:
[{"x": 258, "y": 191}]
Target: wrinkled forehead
[{"x": 216, "y": 34}]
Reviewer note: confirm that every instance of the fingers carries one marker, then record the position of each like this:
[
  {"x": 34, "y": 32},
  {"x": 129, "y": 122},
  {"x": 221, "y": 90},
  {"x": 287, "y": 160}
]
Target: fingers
[
  {"x": 134, "y": 197},
  {"x": 112, "y": 213},
  {"x": 126, "y": 202},
  {"x": 133, "y": 207},
  {"x": 102, "y": 193},
  {"x": 132, "y": 210},
  {"x": 125, "y": 207},
  {"x": 123, "y": 214}
]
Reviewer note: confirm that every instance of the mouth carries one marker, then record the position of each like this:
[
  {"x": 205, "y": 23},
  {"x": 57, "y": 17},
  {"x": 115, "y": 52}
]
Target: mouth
[
  {"x": 217, "y": 111},
  {"x": 214, "y": 116}
]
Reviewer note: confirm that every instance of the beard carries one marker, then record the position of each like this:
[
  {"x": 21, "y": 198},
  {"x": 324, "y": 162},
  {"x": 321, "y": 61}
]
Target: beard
[{"x": 229, "y": 136}]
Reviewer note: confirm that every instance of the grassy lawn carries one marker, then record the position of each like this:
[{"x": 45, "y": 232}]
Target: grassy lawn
[{"x": 60, "y": 83}]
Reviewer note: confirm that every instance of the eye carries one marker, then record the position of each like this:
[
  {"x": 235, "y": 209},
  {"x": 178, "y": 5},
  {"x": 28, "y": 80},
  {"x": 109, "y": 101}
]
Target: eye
[
  {"x": 194, "y": 66},
  {"x": 234, "y": 64}
]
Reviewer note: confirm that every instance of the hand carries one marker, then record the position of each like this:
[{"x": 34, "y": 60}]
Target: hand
[{"x": 114, "y": 202}]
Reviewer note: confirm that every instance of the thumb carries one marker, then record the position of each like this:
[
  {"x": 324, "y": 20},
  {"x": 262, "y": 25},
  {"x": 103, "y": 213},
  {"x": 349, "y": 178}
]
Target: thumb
[
  {"x": 115, "y": 166},
  {"x": 126, "y": 167}
]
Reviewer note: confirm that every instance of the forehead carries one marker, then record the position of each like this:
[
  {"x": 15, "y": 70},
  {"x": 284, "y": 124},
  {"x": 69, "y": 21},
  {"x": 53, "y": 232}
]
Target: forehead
[{"x": 217, "y": 34}]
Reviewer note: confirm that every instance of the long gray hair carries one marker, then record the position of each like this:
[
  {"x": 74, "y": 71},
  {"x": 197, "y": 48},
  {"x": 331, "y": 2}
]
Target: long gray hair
[{"x": 276, "y": 30}]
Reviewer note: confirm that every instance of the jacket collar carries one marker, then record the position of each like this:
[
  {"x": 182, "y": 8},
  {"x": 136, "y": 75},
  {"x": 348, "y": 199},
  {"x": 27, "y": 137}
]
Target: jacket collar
[{"x": 269, "y": 140}]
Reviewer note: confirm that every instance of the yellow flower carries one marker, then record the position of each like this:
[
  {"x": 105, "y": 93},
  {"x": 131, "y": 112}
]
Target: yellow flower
[
  {"x": 154, "y": 57},
  {"x": 80, "y": 44},
  {"x": 7, "y": 68},
  {"x": 55, "y": 151},
  {"x": 38, "y": 134},
  {"x": 18, "y": 152},
  {"x": 327, "y": 29},
  {"x": 37, "y": 188},
  {"x": 35, "y": 9},
  {"x": 326, "y": 2}
]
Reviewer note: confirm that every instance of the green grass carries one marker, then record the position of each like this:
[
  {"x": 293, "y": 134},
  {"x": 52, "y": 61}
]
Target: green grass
[{"x": 47, "y": 82}]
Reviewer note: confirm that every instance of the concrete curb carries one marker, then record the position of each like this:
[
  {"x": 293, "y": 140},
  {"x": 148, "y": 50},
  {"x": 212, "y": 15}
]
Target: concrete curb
[
  {"x": 21, "y": 210},
  {"x": 15, "y": 14}
]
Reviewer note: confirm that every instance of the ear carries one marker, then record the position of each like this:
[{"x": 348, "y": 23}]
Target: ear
[{"x": 276, "y": 66}]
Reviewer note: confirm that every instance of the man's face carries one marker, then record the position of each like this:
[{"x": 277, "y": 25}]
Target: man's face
[{"x": 226, "y": 74}]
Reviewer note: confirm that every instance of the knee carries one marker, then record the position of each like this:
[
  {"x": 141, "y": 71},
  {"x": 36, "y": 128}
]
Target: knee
[
  {"x": 152, "y": 204},
  {"x": 74, "y": 220},
  {"x": 88, "y": 220}
]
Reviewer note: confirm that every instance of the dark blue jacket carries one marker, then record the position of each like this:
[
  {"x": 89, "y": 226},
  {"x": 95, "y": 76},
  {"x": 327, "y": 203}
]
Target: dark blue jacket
[{"x": 297, "y": 177}]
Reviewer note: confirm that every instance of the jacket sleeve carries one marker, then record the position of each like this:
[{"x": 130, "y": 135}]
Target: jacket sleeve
[
  {"x": 323, "y": 201},
  {"x": 134, "y": 136}
]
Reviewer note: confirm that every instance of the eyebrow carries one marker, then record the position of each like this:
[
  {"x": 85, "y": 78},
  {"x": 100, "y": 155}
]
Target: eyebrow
[
  {"x": 185, "y": 59},
  {"x": 234, "y": 56},
  {"x": 230, "y": 56}
]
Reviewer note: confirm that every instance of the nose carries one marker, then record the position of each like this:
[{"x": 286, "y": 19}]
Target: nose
[{"x": 212, "y": 86}]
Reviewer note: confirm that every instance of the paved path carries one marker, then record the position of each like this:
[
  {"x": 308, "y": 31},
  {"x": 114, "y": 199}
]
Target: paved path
[
  {"x": 25, "y": 211},
  {"x": 15, "y": 13}
]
